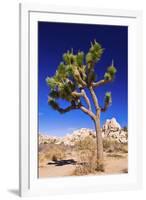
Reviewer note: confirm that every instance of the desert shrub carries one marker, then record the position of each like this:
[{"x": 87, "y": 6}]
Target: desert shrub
[
  {"x": 88, "y": 143},
  {"x": 111, "y": 145},
  {"x": 86, "y": 153},
  {"x": 54, "y": 158},
  {"x": 86, "y": 163},
  {"x": 107, "y": 143},
  {"x": 56, "y": 152},
  {"x": 42, "y": 160},
  {"x": 53, "y": 153}
]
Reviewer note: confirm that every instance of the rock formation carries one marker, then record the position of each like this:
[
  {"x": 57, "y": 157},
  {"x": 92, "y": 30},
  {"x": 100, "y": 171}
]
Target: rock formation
[{"x": 111, "y": 129}]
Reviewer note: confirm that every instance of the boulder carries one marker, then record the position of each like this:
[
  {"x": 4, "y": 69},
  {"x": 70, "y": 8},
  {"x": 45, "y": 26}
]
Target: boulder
[{"x": 111, "y": 129}]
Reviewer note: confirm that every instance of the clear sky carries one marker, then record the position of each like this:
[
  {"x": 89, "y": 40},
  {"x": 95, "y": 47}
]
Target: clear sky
[{"x": 56, "y": 38}]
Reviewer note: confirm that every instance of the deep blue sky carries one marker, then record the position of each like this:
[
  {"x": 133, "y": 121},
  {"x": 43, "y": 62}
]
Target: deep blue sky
[{"x": 56, "y": 38}]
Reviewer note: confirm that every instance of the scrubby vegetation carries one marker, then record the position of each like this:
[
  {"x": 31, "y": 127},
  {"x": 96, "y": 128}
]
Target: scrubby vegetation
[
  {"x": 111, "y": 145},
  {"x": 86, "y": 163},
  {"x": 53, "y": 153},
  {"x": 82, "y": 155},
  {"x": 86, "y": 151}
]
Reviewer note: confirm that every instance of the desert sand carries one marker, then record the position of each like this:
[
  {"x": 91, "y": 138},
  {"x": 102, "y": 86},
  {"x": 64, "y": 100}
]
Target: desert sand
[{"x": 114, "y": 164}]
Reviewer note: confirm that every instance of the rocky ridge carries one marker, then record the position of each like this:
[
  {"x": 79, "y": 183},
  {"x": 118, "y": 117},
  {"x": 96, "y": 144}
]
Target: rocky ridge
[{"x": 111, "y": 129}]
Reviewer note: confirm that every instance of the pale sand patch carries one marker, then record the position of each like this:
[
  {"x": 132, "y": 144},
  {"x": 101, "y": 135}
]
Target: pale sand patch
[{"x": 52, "y": 171}]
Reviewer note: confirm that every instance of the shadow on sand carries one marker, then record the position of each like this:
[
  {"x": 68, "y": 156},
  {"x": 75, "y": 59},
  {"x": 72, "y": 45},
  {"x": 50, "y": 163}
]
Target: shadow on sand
[{"x": 63, "y": 162}]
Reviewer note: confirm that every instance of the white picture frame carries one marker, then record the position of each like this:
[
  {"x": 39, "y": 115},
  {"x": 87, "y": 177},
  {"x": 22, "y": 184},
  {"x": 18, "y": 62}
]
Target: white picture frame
[{"x": 30, "y": 185}]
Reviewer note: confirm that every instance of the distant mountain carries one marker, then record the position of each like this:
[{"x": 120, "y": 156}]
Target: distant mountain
[{"x": 111, "y": 129}]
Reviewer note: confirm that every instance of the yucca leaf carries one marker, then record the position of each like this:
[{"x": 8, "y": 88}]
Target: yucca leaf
[
  {"x": 107, "y": 76},
  {"x": 108, "y": 98}
]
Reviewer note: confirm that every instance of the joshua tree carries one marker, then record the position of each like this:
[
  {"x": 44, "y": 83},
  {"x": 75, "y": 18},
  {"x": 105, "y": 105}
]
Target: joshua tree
[{"x": 75, "y": 76}]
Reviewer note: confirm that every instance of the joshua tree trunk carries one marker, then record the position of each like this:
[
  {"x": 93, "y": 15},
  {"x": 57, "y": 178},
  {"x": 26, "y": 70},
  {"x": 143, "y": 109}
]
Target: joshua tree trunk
[{"x": 99, "y": 143}]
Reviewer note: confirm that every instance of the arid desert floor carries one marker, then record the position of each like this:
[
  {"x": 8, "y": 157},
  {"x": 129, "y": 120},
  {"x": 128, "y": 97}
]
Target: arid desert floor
[
  {"x": 75, "y": 153},
  {"x": 72, "y": 161},
  {"x": 112, "y": 166}
]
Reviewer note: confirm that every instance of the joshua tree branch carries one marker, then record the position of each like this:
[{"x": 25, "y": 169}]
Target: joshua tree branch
[
  {"x": 67, "y": 109},
  {"x": 77, "y": 94},
  {"x": 90, "y": 71},
  {"x": 78, "y": 78},
  {"x": 88, "y": 112},
  {"x": 101, "y": 82},
  {"x": 106, "y": 106},
  {"x": 57, "y": 107},
  {"x": 86, "y": 99},
  {"x": 82, "y": 82},
  {"x": 107, "y": 101},
  {"x": 95, "y": 100},
  {"x": 82, "y": 94}
]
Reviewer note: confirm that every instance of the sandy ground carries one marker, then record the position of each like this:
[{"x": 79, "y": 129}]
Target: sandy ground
[
  {"x": 51, "y": 171},
  {"x": 113, "y": 165}
]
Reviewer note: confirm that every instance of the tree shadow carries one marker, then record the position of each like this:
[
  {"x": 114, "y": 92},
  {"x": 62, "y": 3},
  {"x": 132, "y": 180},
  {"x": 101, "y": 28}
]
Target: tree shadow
[{"x": 63, "y": 162}]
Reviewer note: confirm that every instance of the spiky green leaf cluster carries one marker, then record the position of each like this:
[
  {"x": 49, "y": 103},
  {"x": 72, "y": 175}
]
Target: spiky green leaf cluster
[
  {"x": 70, "y": 73},
  {"x": 80, "y": 58},
  {"x": 108, "y": 98},
  {"x": 51, "y": 82},
  {"x": 92, "y": 57},
  {"x": 65, "y": 91},
  {"x": 54, "y": 94},
  {"x": 53, "y": 103},
  {"x": 74, "y": 66},
  {"x": 70, "y": 58},
  {"x": 110, "y": 74},
  {"x": 95, "y": 53}
]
